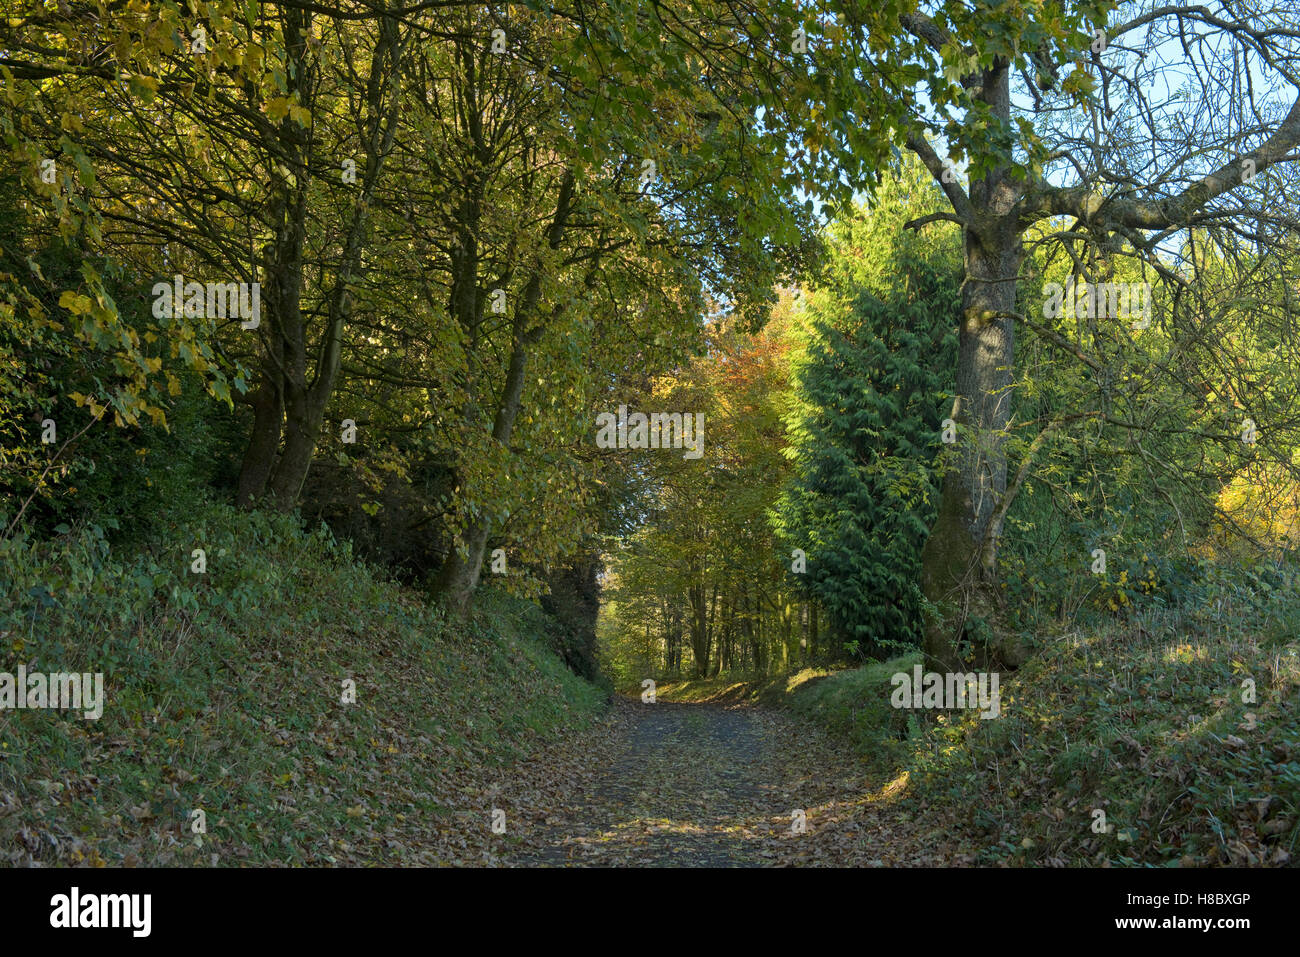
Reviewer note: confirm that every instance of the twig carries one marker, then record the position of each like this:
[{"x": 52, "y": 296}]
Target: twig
[{"x": 37, "y": 487}]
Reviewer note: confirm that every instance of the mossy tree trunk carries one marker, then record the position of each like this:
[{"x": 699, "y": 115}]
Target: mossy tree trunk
[{"x": 959, "y": 566}]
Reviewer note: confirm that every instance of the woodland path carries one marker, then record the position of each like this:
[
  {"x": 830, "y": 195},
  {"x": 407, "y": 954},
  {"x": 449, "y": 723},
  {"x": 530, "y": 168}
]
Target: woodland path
[{"x": 702, "y": 785}]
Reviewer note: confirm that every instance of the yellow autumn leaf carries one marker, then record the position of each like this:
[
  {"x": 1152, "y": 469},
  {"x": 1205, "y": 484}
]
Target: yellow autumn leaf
[
  {"x": 277, "y": 108},
  {"x": 75, "y": 303}
]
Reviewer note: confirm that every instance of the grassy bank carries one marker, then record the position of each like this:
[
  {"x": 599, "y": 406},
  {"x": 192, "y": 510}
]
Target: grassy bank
[
  {"x": 1142, "y": 720},
  {"x": 224, "y": 694}
]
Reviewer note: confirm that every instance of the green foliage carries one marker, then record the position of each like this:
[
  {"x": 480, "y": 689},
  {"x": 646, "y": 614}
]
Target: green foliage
[
  {"x": 208, "y": 677},
  {"x": 870, "y": 391},
  {"x": 1148, "y": 721},
  {"x": 116, "y": 477},
  {"x": 699, "y": 582},
  {"x": 1182, "y": 726},
  {"x": 481, "y": 173},
  {"x": 1150, "y": 465},
  {"x": 854, "y": 703},
  {"x": 476, "y": 172}
]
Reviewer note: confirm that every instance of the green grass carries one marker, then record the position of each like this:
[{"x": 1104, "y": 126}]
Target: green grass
[
  {"x": 224, "y": 694},
  {"x": 1146, "y": 724}
]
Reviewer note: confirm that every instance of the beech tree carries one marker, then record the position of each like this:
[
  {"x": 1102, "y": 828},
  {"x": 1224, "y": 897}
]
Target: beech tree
[
  {"x": 241, "y": 142},
  {"x": 480, "y": 182},
  {"x": 587, "y": 179}
]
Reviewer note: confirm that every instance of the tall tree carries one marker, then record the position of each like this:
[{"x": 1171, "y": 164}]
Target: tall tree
[
  {"x": 871, "y": 376},
  {"x": 1066, "y": 117}
]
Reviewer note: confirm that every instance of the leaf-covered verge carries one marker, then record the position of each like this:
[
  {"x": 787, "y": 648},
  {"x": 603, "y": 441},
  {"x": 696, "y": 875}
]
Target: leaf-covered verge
[
  {"x": 224, "y": 694},
  {"x": 1142, "y": 720}
]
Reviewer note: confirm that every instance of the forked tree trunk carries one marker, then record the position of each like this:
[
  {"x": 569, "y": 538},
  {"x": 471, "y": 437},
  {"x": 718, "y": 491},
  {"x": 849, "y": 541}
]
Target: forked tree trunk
[
  {"x": 953, "y": 574},
  {"x": 460, "y": 571},
  {"x": 301, "y": 432},
  {"x": 300, "y": 376},
  {"x": 959, "y": 562}
]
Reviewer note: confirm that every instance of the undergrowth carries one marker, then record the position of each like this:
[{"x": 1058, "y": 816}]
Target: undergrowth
[
  {"x": 225, "y": 695},
  {"x": 1169, "y": 738}
]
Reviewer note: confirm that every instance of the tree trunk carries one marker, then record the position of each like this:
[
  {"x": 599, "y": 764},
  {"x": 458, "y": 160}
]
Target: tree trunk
[
  {"x": 678, "y": 631},
  {"x": 301, "y": 432},
  {"x": 301, "y": 400},
  {"x": 957, "y": 572},
  {"x": 460, "y": 572},
  {"x": 263, "y": 442},
  {"x": 699, "y": 630}
]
